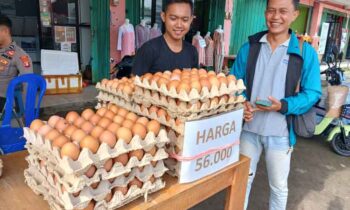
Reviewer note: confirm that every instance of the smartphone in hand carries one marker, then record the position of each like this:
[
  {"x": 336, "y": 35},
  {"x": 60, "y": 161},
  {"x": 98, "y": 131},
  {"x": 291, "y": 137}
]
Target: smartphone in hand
[{"x": 266, "y": 103}]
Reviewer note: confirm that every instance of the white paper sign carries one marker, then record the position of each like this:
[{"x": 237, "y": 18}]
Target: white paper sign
[
  {"x": 202, "y": 43},
  {"x": 323, "y": 38},
  {"x": 55, "y": 62},
  {"x": 214, "y": 142}
]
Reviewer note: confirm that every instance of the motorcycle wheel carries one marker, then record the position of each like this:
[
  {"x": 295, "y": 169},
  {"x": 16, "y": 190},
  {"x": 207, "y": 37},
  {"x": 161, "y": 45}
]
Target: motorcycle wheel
[{"x": 339, "y": 147}]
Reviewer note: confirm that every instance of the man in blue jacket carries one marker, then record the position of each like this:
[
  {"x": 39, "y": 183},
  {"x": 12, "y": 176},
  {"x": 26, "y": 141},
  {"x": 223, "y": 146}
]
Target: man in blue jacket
[{"x": 273, "y": 65}]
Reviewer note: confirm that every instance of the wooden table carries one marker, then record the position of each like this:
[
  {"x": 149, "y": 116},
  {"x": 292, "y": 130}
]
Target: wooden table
[{"x": 16, "y": 195}]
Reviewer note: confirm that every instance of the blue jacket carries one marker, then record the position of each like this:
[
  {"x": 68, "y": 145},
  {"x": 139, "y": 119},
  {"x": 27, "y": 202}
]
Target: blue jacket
[{"x": 309, "y": 75}]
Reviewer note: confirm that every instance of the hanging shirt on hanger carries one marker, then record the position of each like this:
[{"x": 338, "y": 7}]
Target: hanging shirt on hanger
[
  {"x": 209, "y": 51},
  {"x": 199, "y": 43},
  {"x": 142, "y": 35},
  {"x": 155, "y": 32},
  {"x": 219, "y": 46},
  {"x": 126, "y": 40}
]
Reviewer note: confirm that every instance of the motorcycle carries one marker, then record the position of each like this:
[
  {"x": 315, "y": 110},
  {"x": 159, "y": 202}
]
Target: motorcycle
[{"x": 334, "y": 121}]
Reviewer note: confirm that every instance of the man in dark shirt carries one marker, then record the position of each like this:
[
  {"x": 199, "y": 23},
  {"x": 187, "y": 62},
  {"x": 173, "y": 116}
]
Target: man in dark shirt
[{"x": 169, "y": 52}]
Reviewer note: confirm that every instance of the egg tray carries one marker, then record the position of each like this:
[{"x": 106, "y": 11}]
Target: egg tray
[
  {"x": 234, "y": 87},
  {"x": 63, "y": 200},
  {"x": 74, "y": 183},
  {"x": 113, "y": 91},
  {"x": 86, "y": 158}
]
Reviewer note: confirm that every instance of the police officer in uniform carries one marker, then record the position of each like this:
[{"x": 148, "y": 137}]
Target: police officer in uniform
[{"x": 13, "y": 60}]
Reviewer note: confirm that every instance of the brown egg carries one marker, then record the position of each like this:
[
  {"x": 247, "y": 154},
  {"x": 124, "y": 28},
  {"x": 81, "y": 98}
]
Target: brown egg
[
  {"x": 175, "y": 77},
  {"x": 162, "y": 81},
  {"x": 153, "y": 109},
  {"x": 87, "y": 127},
  {"x": 91, "y": 171},
  {"x": 125, "y": 134},
  {"x": 162, "y": 113},
  {"x": 177, "y": 71},
  {"x": 183, "y": 87},
  {"x": 53, "y": 120},
  {"x": 61, "y": 125},
  {"x": 128, "y": 124},
  {"x": 118, "y": 119},
  {"x": 90, "y": 143},
  {"x": 137, "y": 153},
  {"x": 44, "y": 129},
  {"x": 109, "y": 114},
  {"x": 87, "y": 114},
  {"x": 115, "y": 85},
  {"x": 52, "y": 134},
  {"x": 96, "y": 132},
  {"x": 69, "y": 130},
  {"x": 147, "y": 76},
  {"x": 79, "y": 121},
  {"x": 222, "y": 80},
  {"x": 104, "y": 81},
  {"x": 166, "y": 72},
  {"x": 123, "y": 190},
  {"x": 136, "y": 182},
  {"x": 108, "y": 197},
  {"x": 211, "y": 73},
  {"x": 153, "y": 126},
  {"x": 224, "y": 98},
  {"x": 60, "y": 141},
  {"x": 108, "y": 138},
  {"x": 101, "y": 111},
  {"x": 122, "y": 112},
  {"x": 108, "y": 165},
  {"x": 123, "y": 159},
  {"x": 113, "y": 127},
  {"x": 120, "y": 87},
  {"x": 71, "y": 150},
  {"x": 78, "y": 135},
  {"x": 71, "y": 116},
  {"x": 114, "y": 108},
  {"x": 140, "y": 130},
  {"x": 231, "y": 78},
  {"x": 109, "y": 83},
  {"x": 152, "y": 151},
  {"x": 128, "y": 89},
  {"x": 214, "y": 82},
  {"x": 94, "y": 119},
  {"x": 205, "y": 83},
  {"x": 194, "y": 71},
  {"x": 104, "y": 122},
  {"x": 196, "y": 85},
  {"x": 142, "y": 120},
  {"x": 131, "y": 116}
]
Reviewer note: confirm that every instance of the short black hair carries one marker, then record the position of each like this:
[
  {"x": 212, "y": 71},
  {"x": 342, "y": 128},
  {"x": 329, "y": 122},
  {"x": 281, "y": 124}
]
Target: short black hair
[
  {"x": 5, "y": 21},
  {"x": 170, "y": 2},
  {"x": 295, "y": 3}
]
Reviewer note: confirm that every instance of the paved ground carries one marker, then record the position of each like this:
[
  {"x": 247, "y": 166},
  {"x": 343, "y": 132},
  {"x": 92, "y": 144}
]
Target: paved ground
[{"x": 319, "y": 180}]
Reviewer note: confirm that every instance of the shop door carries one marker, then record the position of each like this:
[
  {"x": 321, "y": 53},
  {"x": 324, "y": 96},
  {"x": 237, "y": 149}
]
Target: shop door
[
  {"x": 334, "y": 33},
  {"x": 59, "y": 25}
]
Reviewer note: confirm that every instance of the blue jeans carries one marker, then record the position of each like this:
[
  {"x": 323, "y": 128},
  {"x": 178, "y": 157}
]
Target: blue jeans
[{"x": 277, "y": 158}]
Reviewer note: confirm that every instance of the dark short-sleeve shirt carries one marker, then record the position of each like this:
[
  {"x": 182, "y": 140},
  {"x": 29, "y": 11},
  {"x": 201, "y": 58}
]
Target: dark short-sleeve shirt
[{"x": 156, "y": 56}]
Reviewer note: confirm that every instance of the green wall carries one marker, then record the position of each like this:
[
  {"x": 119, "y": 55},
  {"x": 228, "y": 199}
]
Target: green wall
[
  {"x": 300, "y": 23},
  {"x": 247, "y": 19}
]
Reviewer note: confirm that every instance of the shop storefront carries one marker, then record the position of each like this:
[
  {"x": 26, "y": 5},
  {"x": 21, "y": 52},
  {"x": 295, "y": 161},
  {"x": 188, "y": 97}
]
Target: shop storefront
[{"x": 55, "y": 25}]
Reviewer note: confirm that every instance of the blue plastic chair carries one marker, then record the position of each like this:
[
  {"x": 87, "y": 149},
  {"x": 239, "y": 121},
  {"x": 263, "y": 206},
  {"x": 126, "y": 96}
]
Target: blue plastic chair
[{"x": 11, "y": 139}]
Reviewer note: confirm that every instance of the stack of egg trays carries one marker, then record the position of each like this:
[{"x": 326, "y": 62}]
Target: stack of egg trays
[{"x": 65, "y": 172}]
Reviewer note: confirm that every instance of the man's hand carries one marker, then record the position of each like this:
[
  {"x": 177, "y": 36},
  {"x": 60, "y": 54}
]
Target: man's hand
[
  {"x": 276, "y": 105},
  {"x": 248, "y": 112}
]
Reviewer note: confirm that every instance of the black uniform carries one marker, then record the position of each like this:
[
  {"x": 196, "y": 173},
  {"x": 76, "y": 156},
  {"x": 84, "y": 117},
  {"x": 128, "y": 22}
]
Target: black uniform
[{"x": 156, "y": 56}]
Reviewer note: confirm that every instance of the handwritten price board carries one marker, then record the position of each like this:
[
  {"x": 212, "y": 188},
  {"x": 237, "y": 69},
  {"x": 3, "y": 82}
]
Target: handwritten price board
[{"x": 210, "y": 145}]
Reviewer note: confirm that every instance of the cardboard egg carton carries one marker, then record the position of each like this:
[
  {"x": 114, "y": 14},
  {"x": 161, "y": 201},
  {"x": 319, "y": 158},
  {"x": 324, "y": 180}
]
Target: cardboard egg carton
[
  {"x": 63, "y": 200},
  {"x": 113, "y": 91},
  {"x": 37, "y": 144},
  {"x": 234, "y": 87},
  {"x": 147, "y": 98}
]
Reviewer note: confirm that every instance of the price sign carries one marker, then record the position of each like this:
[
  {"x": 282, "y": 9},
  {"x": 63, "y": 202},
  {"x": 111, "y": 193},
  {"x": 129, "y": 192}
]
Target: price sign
[{"x": 210, "y": 145}]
